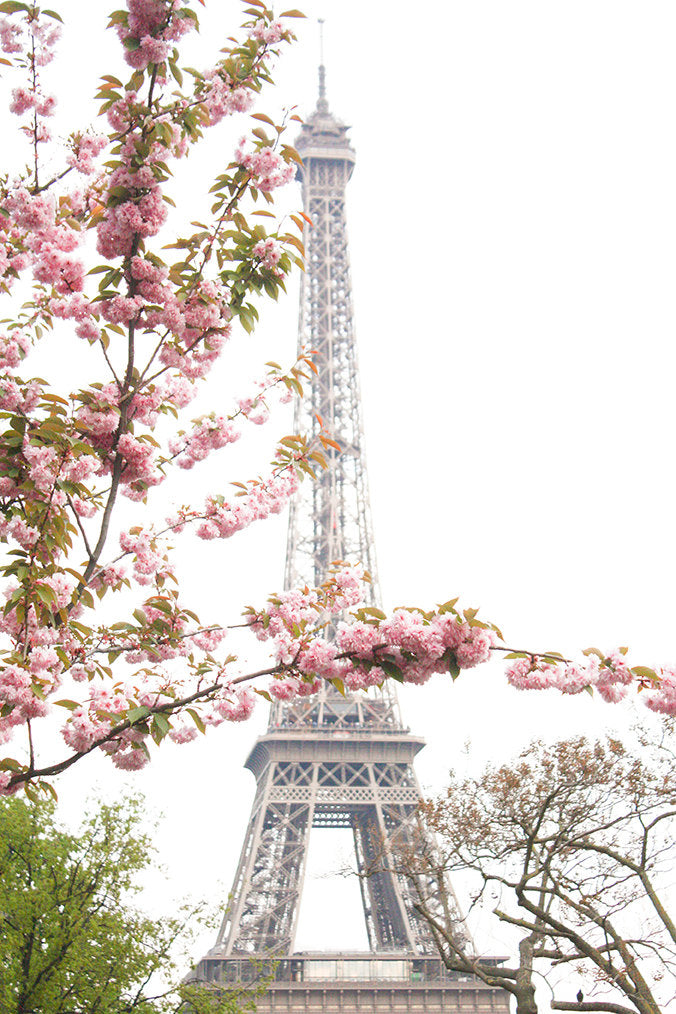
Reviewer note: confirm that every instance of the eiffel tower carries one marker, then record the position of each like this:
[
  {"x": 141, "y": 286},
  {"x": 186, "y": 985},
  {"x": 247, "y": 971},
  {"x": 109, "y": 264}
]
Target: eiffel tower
[{"x": 333, "y": 761}]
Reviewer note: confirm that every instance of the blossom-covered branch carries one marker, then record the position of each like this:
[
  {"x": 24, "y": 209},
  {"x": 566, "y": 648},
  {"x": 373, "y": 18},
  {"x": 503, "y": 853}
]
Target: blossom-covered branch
[
  {"x": 149, "y": 315},
  {"x": 158, "y": 325}
]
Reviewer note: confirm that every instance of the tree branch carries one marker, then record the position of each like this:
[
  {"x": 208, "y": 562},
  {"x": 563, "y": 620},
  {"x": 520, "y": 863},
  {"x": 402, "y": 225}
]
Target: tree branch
[{"x": 614, "y": 1008}]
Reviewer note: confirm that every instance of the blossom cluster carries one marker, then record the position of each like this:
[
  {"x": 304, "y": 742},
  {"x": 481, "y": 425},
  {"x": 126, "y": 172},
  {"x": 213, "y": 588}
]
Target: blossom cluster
[
  {"x": 34, "y": 35},
  {"x": 99, "y": 419},
  {"x": 269, "y": 252},
  {"x": 209, "y": 434},
  {"x": 93, "y": 722},
  {"x": 10, "y": 36},
  {"x": 662, "y": 698},
  {"x": 222, "y": 96},
  {"x": 268, "y": 33},
  {"x": 30, "y": 677},
  {"x": 34, "y": 39},
  {"x": 86, "y": 147},
  {"x": 142, "y": 211},
  {"x": 409, "y": 646},
  {"x": 609, "y": 675},
  {"x": 34, "y": 235},
  {"x": 267, "y": 167},
  {"x": 221, "y": 519},
  {"x": 149, "y": 563},
  {"x": 13, "y": 348},
  {"x": 150, "y": 29}
]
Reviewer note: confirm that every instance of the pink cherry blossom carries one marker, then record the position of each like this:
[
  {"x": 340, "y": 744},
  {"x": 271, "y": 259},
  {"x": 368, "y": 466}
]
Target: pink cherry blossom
[
  {"x": 269, "y": 251},
  {"x": 222, "y": 98},
  {"x": 10, "y": 36},
  {"x": 22, "y": 101},
  {"x": 475, "y": 649},
  {"x": 266, "y": 167},
  {"x": 268, "y": 34},
  {"x": 209, "y": 433},
  {"x": 86, "y": 148}
]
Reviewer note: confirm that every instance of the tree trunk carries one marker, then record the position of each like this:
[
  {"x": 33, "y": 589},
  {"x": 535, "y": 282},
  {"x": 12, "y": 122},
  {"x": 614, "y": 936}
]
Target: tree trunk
[{"x": 525, "y": 990}]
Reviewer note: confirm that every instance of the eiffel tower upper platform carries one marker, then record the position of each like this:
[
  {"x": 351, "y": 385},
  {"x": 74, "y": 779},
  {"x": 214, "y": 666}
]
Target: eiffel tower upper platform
[{"x": 333, "y": 760}]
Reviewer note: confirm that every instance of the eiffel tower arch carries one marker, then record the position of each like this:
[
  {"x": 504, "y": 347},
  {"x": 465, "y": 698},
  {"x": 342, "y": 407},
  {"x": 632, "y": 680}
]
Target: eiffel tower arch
[{"x": 332, "y": 760}]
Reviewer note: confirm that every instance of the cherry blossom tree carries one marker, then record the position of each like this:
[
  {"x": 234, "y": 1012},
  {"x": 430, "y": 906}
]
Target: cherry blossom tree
[{"x": 96, "y": 636}]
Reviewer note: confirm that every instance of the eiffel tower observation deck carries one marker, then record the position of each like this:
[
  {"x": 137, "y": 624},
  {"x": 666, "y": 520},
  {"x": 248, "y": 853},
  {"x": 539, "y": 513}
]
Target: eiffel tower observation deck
[{"x": 331, "y": 760}]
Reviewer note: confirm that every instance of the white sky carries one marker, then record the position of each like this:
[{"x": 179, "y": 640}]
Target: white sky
[{"x": 512, "y": 222}]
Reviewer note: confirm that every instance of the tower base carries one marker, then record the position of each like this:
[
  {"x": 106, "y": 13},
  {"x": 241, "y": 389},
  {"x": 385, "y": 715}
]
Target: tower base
[{"x": 356, "y": 982}]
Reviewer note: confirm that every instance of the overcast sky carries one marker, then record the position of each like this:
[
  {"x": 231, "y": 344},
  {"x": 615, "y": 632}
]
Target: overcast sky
[{"x": 512, "y": 220}]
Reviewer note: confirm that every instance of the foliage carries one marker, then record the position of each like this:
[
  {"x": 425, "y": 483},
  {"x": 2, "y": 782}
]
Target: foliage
[
  {"x": 96, "y": 636},
  {"x": 148, "y": 322},
  {"x": 570, "y": 846},
  {"x": 72, "y": 936}
]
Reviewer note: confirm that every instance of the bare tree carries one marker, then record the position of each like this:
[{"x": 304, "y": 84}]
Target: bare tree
[{"x": 572, "y": 846}]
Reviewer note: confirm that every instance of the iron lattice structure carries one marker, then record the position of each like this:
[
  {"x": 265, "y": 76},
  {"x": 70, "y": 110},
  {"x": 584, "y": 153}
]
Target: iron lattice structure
[
  {"x": 330, "y": 519},
  {"x": 328, "y": 761}
]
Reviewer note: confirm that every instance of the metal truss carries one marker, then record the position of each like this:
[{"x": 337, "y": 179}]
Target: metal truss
[
  {"x": 334, "y": 712},
  {"x": 331, "y": 760},
  {"x": 302, "y": 784},
  {"x": 330, "y": 519}
]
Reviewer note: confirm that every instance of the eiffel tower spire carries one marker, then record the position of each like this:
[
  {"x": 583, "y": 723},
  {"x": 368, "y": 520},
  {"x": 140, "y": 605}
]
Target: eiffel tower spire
[
  {"x": 331, "y": 760},
  {"x": 322, "y": 71}
]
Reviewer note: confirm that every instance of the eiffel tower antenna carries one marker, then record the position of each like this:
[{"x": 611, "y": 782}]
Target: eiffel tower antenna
[
  {"x": 332, "y": 760},
  {"x": 322, "y": 103}
]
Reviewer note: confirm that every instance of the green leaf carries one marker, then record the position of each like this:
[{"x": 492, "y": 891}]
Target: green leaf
[
  {"x": 162, "y": 605},
  {"x": 198, "y": 721},
  {"x": 69, "y": 705},
  {"x": 176, "y": 73},
  {"x": 46, "y": 594},
  {"x": 136, "y": 714},
  {"x": 644, "y": 673},
  {"x": 162, "y": 723},
  {"x": 339, "y": 685},
  {"x": 391, "y": 668}
]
